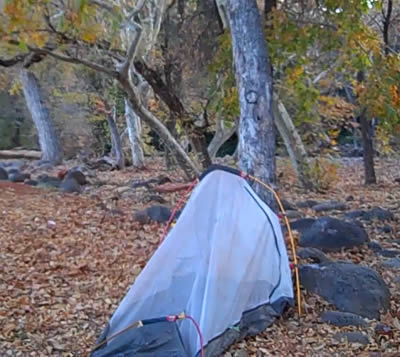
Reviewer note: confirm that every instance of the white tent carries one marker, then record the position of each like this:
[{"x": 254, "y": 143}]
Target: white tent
[{"x": 224, "y": 258}]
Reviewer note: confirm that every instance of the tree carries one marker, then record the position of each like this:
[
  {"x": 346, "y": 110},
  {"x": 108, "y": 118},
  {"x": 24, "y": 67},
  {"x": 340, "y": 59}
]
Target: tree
[
  {"x": 35, "y": 102},
  {"x": 254, "y": 83},
  {"x": 79, "y": 32}
]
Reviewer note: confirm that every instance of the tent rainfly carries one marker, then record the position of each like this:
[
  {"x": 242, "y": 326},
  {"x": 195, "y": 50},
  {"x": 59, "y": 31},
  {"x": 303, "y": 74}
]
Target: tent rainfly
[{"x": 222, "y": 273}]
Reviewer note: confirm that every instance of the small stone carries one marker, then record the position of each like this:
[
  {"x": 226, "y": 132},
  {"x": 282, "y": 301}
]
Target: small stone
[
  {"x": 314, "y": 254},
  {"x": 374, "y": 246},
  {"x": 379, "y": 214},
  {"x": 386, "y": 228},
  {"x": 352, "y": 337},
  {"x": 31, "y": 182},
  {"x": 354, "y": 214},
  {"x": 141, "y": 217},
  {"x": 159, "y": 213},
  {"x": 293, "y": 214},
  {"x": 70, "y": 185},
  {"x": 76, "y": 174}
]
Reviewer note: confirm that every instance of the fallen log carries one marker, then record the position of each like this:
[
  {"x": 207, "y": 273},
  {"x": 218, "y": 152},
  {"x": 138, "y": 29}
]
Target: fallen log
[{"x": 20, "y": 154}]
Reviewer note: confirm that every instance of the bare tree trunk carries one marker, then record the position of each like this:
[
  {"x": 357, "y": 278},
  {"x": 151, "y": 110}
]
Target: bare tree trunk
[
  {"x": 116, "y": 145},
  {"x": 293, "y": 143},
  {"x": 134, "y": 131},
  {"x": 253, "y": 77},
  {"x": 48, "y": 140},
  {"x": 222, "y": 134},
  {"x": 368, "y": 149}
]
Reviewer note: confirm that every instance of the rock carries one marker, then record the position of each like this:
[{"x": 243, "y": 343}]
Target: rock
[
  {"x": 3, "y": 174},
  {"x": 350, "y": 198},
  {"x": 352, "y": 337},
  {"x": 159, "y": 213},
  {"x": 70, "y": 185},
  {"x": 302, "y": 225},
  {"x": 16, "y": 176},
  {"x": 354, "y": 214},
  {"x": 386, "y": 228},
  {"x": 242, "y": 353},
  {"x": 392, "y": 263},
  {"x": 306, "y": 204},
  {"x": 76, "y": 174},
  {"x": 339, "y": 318},
  {"x": 292, "y": 214},
  {"x": 397, "y": 280},
  {"x": 46, "y": 181},
  {"x": 288, "y": 206},
  {"x": 349, "y": 287},
  {"x": 331, "y": 234},
  {"x": 141, "y": 217},
  {"x": 329, "y": 206},
  {"x": 374, "y": 246},
  {"x": 31, "y": 182},
  {"x": 379, "y": 214},
  {"x": 312, "y": 253},
  {"x": 388, "y": 253}
]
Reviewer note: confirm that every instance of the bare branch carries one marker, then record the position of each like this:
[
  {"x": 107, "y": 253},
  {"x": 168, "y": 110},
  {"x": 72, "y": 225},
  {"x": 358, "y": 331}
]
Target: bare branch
[
  {"x": 75, "y": 60},
  {"x": 131, "y": 53}
]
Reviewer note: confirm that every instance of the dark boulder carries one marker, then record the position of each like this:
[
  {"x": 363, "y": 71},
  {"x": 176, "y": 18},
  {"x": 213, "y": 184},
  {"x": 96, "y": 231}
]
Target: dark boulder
[
  {"x": 374, "y": 246},
  {"x": 16, "y": 176},
  {"x": 70, "y": 185},
  {"x": 31, "y": 182},
  {"x": 339, "y": 318},
  {"x": 389, "y": 253},
  {"x": 329, "y": 206},
  {"x": 3, "y": 174},
  {"x": 47, "y": 181},
  {"x": 306, "y": 203},
  {"x": 77, "y": 175},
  {"x": 393, "y": 263},
  {"x": 349, "y": 287},
  {"x": 354, "y": 214},
  {"x": 379, "y": 214},
  {"x": 312, "y": 253},
  {"x": 159, "y": 213},
  {"x": 331, "y": 234},
  {"x": 302, "y": 225}
]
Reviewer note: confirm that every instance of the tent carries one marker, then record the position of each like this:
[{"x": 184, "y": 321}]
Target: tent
[{"x": 221, "y": 273}]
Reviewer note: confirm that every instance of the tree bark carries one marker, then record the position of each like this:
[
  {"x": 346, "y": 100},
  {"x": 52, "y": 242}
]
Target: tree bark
[
  {"x": 293, "y": 143},
  {"x": 48, "y": 140},
  {"x": 134, "y": 132},
  {"x": 253, "y": 77},
  {"x": 20, "y": 154},
  {"x": 116, "y": 145},
  {"x": 368, "y": 149}
]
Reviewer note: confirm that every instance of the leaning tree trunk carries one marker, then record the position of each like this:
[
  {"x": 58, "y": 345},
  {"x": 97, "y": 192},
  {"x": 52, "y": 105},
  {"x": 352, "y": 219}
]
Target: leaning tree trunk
[
  {"x": 254, "y": 82},
  {"x": 116, "y": 145},
  {"x": 293, "y": 143},
  {"x": 368, "y": 149},
  {"x": 48, "y": 141},
  {"x": 134, "y": 132}
]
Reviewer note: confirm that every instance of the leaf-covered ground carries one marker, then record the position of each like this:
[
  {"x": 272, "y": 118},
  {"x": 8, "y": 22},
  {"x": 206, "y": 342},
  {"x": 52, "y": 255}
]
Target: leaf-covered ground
[{"x": 68, "y": 260}]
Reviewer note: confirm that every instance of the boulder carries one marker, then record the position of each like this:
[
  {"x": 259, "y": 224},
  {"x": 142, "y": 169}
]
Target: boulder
[
  {"x": 349, "y": 287},
  {"x": 354, "y": 214},
  {"x": 306, "y": 204},
  {"x": 329, "y": 206},
  {"x": 159, "y": 213},
  {"x": 47, "y": 181},
  {"x": 70, "y": 185},
  {"x": 302, "y": 225},
  {"x": 16, "y": 176},
  {"x": 388, "y": 253},
  {"x": 31, "y": 182},
  {"x": 379, "y": 214},
  {"x": 78, "y": 175},
  {"x": 331, "y": 234},
  {"x": 339, "y": 318},
  {"x": 352, "y": 337},
  {"x": 312, "y": 253},
  {"x": 3, "y": 174},
  {"x": 393, "y": 263}
]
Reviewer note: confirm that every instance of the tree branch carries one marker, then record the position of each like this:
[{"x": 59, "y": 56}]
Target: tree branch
[
  {"x": 131, "y": 53},
  {"x": 75, "y": 60}
]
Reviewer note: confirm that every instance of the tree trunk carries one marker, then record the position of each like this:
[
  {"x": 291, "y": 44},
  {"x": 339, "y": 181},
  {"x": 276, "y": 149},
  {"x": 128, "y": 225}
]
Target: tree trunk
[
  {"x": 116, "y": 145},
  {"x": 254, "y": 82},
  {"x": 368, "y": 149},
  {"x": 48, "y": 140},
  {"x": 293, "y": 143},
  {"x": 134, "y": 132},
  {"x": 222, "y": 134},
  {"x": 156, "y": 124}
]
